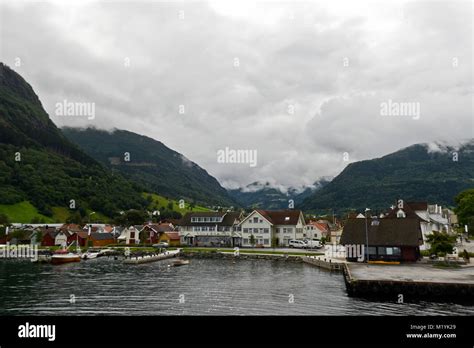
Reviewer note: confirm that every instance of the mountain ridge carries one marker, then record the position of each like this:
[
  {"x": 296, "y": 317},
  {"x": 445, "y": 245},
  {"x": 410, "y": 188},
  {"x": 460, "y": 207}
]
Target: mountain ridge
[{"x": 150, "y": 163}]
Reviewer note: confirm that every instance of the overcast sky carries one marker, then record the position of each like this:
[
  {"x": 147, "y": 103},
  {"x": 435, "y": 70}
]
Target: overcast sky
[{"x": 302, "y": 83}]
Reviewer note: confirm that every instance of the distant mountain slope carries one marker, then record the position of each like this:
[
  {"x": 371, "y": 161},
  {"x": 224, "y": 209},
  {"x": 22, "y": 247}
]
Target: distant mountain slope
[
  {"x": 151, "y": 164},
  {"x": 413, "y": 173},
  {"x": 38, "y": 164},
  {"x": 264, "y": 196}
]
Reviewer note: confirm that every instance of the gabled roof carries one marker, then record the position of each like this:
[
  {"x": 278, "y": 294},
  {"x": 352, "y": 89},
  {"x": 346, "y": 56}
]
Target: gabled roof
[
  {"x": 389, "y": 232},
  {"x": 102, "y": 236},
  {"x": 322, "y": 226},
  {"x": 228, "y": 220},
  {"x": 173, "y": 235},
  {"x": 281, "y": 217},
  {"x": 407, "y": 209},
  {"x": 81, "y": 234},
  {"x": 159, "y": 228}
]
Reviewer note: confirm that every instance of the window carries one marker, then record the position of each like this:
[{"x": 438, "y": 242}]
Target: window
[
  {"x": 246, "y": 230},
  {"x": 382, "y": 251},
  {"x": 389, "y": 251},
  {"x": 278, "y": 230},
  {"x": 255, "y": 220},
  {"x": 266, "y": 230},
  {"x": 132, "y": 234},
  {"x": 396, "y": 251},
  {"x": 261, "y": 221},
  {"x": 246, "y": 241},
  {"x": 372, "y": 250},
  {"x": 400, "y": 213},
  {"x": 265, "y": 241}
]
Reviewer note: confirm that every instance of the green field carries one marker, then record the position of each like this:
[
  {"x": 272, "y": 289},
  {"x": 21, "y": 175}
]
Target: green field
[
  {"x": 22, "y": 212},
  {"x": 25, "y": 212},
  {"x": 163, "y": 202}
]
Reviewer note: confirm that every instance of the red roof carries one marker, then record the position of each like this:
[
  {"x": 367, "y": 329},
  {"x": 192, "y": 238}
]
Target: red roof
[{"x": 173, "y": 235}]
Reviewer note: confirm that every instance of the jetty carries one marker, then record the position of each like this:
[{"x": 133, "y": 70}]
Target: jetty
[
  {"x": 134, "y": 260},
  {"x": 413, "y": 281},
  {"x": 325, "y": 263}
]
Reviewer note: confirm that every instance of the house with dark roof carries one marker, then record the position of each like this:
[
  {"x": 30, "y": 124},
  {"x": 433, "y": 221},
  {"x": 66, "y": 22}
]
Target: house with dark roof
[
  {"x": 98, "y": 239},
  {"x": 210, "y": 229},
  {"x": 152, "y": 232},
  {"x": 431, "y": 217},
  {"x": 393, "y": 239},
  {"x": 267, "y": 228}
]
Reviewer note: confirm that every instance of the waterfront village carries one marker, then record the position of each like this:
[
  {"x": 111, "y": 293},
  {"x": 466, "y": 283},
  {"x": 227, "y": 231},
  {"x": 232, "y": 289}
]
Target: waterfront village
[{"x": 387, "y": 253}]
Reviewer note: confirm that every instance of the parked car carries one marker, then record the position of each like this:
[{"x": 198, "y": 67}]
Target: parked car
[
  {"x": 294, "y": 243},
  {"x": 313, "y": 243}
]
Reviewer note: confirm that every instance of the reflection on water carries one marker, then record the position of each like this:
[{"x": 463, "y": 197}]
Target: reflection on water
[{"x": 204, "y": 287}]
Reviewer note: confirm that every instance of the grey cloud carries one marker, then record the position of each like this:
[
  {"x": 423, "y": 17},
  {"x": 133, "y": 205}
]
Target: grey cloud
[{"x": 78, "y": 54}]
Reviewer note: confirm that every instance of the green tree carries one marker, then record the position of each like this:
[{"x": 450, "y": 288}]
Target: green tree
[
  {"x": 252, "y": 240},
  {"x": 131, "y": 217},
  {"x": 4, "y": 219},
  {"x": 275, "y": 242},
  {"x": 465, "y": 209},
  {"x": 441, "y": 243}
]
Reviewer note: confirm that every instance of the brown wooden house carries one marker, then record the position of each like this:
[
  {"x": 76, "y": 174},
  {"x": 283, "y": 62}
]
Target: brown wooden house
[
  {"x": 101, "y": 239},
  {"x": 388, "y": 239}
]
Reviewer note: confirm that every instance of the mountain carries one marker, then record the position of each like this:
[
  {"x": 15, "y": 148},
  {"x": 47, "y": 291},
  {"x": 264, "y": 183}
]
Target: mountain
[
  {"x": 420, "y": 172},
  {"x": 41, "y": 166},
  {"x": 265, "y": 196},
  {"x": 151, "y": 164}
]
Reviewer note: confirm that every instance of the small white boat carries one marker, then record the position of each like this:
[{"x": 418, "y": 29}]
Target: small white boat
[
  {"x": 180, "y": 262},
  {"x": 63, "y": 256},
  {"x": 90, "y": 255}
]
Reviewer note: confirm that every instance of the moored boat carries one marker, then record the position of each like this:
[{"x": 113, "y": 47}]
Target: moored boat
[
  {"x": 180, "y": 262},
  {"x": 90, "y": 255},
  {"x": 63, "y": 256}
]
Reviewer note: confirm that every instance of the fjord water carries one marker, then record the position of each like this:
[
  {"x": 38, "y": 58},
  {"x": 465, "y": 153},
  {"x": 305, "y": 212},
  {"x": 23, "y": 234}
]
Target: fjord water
[{"x": 204, "y": 287}]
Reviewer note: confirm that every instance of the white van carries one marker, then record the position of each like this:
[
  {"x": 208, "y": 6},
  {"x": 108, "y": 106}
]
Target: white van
[
  {"x": 313, "y": 244},
  {"x": 296, "y": 244}
]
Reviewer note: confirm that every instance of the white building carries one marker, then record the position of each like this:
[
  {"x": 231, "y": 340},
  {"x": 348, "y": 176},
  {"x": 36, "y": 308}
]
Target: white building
[
  {"x": 61, "y": 239},
  {"x": 432, "y": 217},
  {"x": 130, "y": 235},
  {"x": 210, "y": 229},
  {"x": 272, "y": 227}
]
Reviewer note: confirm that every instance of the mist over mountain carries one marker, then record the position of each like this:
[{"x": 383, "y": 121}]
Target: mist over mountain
[
  {"x": 434, "y": 172},
  {"x": 151, "y": 164}
]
